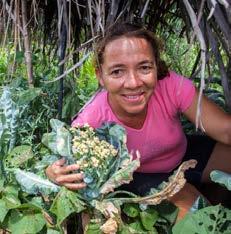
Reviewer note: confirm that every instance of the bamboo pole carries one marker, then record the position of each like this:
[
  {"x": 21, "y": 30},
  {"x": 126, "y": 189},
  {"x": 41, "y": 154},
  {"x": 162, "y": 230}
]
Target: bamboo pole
[{"x": 27, "y": 53}]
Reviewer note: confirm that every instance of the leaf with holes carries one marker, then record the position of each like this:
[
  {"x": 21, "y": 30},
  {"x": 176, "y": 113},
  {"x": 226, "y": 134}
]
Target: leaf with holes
[
  {"x": 18, "y": 156},
  {"x": 26, "y": 221},
  {"x": 66, "y": 202},
  {"x": 209, "y": 220}
]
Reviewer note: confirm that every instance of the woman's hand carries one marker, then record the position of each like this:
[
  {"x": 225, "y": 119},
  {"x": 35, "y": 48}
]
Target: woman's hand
[{"x": 63, "y": 175}]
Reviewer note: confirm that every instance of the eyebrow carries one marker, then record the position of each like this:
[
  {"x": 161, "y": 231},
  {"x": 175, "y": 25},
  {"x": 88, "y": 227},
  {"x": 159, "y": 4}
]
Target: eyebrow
[
  {"x": 116, "y": 66},
  {"x": 122, "y": 65},
  {"x": 146, "y": 61}
]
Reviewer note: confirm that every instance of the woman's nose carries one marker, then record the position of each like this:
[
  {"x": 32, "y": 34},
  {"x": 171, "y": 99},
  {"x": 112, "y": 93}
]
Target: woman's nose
[{"x": 132, "y": 80}]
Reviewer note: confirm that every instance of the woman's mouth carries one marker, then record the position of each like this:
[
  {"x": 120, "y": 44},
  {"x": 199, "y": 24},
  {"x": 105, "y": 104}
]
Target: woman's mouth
[{"x": 133, "y": 97}]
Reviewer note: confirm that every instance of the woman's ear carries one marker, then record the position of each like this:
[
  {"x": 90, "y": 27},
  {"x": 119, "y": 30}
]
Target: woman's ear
[{"x": 99, "y": 76}]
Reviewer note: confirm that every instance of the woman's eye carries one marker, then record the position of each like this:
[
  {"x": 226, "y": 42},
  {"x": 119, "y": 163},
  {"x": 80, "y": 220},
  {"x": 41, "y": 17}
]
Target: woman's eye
[
  {"x": 145, "y": 69},
  {"x": 117, "y": 73}
]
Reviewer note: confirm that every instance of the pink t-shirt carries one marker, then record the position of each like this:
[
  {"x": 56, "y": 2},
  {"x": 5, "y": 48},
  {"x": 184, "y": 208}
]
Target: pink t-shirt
[{"x": 161, "y": 141}]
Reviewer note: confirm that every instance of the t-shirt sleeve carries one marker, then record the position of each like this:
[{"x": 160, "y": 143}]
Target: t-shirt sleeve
[
  {"x": 90, "y": 117},
  {"x": 91, "y": 113},
  {"x": 182, "y": 91}
]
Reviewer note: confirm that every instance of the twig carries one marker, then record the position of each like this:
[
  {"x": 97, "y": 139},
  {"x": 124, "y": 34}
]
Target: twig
[
  {"x": 212, "y": 9},
  {"x": 82, "y": 46},
  {"x": 8, "y": 9},
  {"x": 224, "y": 77},
  {"x": 81, "y": 61},
  {"x": 144, "y": 9},
  {"x": 201, "y": 40}
]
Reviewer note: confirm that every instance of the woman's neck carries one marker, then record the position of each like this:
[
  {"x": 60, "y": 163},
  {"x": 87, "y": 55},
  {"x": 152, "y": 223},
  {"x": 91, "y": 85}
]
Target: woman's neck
[{"x": 133, "y": 121}]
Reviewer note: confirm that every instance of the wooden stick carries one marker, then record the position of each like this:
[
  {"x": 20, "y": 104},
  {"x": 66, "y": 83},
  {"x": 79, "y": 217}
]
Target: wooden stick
[{"x": 27, "y": 53}]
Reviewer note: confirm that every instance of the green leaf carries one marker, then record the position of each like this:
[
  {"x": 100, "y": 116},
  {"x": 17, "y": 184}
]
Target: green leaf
[
  {"x": 138, "y": 227},
  {"x": 38, "y": 202},
  {"x": 26, "y": 222},
  {"x": 222, "y": 178},
  {"x": 34, "y": 184},
  {"x": 11, "y": 201},
  {"x": 209, "y": 220},
  {"x": 65, "y": 203},
  {"x": 18, "y": 156},
  {"x": 93, "y": 228},
  {"x": 2, "y": 180},
  {"x": 168, "y": 211},
  {"x": 3, "y": 210},
  {"x": 149, "y": 218},
  {"x": 10, "y": 196},
  {"x": 26, "y": 96},
  {"x": 59, "y": 140},
  {"x": 53, "y": 231},
  {"x": 5, "y": 137},
  {"x": 131, "y": 210},
  {"x": 45, "y": 162},
  {"x": 11, "y": 189},
  {"x": 200, "y": 203},
  {"x": 70, "y": 105},
  {"x": 56, "y": 124},
  {"x": 8, "y": 121},
  {"x": 119, "y": 132},
  {"x": 19, "y": 56}
]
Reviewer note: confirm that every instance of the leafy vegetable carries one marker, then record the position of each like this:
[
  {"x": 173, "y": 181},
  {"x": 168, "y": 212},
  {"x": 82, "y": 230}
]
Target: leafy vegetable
[
  {"x": 8, "y": 124},
  {"x": 66, "y": 203},
  {"x": 209, "y": 220},
  {"x": 3, "y": 210},
  {"x": 33, "y": 184},
  {"x": 59, "y": 140},
  {"x": 18, "y": 156},
  {"x": 222, "y": 178},
  {"x": 25, "y": 222},
  {"x": 200, "y": 203},
  {"x": 101, "y": 154}
]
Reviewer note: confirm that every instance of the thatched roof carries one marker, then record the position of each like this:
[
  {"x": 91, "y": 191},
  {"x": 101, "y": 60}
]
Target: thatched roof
[{"x": 71, "y": 25}]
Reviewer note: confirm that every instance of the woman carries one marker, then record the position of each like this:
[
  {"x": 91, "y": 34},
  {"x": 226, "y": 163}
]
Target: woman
[{"x": 147, "y": 99}]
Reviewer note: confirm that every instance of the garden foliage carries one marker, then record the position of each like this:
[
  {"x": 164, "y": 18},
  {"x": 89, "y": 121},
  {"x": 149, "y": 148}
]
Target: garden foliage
[{"x": 29, "y": 203}]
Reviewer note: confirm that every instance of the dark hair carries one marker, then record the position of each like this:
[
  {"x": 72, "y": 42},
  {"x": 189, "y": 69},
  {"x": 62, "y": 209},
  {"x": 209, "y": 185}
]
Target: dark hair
[{"x": 131, "y": 30}]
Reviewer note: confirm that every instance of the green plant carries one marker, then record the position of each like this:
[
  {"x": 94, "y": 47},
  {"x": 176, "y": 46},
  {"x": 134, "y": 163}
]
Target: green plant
[{"x": 26, "y": 194}]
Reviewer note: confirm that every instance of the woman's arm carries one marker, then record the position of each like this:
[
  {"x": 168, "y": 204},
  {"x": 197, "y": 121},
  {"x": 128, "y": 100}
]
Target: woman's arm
[{"x": 216, "y": 122}]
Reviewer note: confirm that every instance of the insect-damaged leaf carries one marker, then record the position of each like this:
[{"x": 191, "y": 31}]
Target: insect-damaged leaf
[
  {"x": 26, "y": 221},
  {"x": 209, "y": 220},
  {"x": 66, "y": 202},
  {"x": 18, "y": 156}
]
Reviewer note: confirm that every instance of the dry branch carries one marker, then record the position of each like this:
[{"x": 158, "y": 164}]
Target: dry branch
[
  {"x": 203, "y": 48},
  {"x": 218, "y": 57},
  {"x": 27, "y": 52},
  {"x": 81, "y": 61}
]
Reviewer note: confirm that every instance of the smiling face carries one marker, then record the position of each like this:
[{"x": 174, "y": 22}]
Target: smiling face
[{"x": 129, "y": 75}]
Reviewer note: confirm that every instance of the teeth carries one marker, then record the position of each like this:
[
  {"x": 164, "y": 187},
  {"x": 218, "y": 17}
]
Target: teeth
[{"x": 132, "y": 97}]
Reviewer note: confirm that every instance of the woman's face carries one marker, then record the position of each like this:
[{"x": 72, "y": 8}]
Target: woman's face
[{"x": 129, "y": 75}]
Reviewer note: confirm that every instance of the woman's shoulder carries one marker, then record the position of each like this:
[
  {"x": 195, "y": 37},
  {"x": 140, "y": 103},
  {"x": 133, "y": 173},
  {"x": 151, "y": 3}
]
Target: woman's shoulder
[
  {"x": 172, "y": 76},
  {"x": 91, "y": 112},
  {"x": 175, "y": 82},
  {"x": 175, "y": 90}
]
